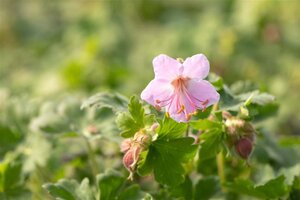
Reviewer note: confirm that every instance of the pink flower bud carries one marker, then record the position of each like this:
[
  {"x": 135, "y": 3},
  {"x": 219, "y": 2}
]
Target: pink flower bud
[
  {"x": 154, "y": 126},
  {"x": 142, "y": 138},
  {"x": 128, "y": 160},
  {"x": 125, "y": 145},
  {"x": 131, "y": 158},
  {"x": 244, "y": 147}
]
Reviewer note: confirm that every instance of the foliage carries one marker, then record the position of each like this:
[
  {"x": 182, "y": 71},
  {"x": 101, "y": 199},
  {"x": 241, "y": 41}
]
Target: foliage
[{"x": 65, "y": 108}]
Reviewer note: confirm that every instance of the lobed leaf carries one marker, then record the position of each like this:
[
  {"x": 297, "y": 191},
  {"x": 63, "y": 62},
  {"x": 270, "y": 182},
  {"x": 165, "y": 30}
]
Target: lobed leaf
[{"x": 114, "y": 101}]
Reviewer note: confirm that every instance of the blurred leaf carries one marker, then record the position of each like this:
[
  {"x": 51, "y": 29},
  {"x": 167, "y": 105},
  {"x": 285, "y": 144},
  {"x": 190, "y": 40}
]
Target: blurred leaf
[
  {"x": 9, "y": 139},
  {"x": 184, "y": 190},
  {"x": 216, "y": 81},
  {"x": 290, "y": 141},
  {"x": 114, "y": 101},
  {"x": 256, "y": 97},
  {"x": 109, "y": 184},
  {"x": 70, "y": 190},
  {"x": 273, "y": 189},
  {"x": 207, "y": 187},
  {"x": 10, "y": 173},
  {"x": 134, "y": 192}
]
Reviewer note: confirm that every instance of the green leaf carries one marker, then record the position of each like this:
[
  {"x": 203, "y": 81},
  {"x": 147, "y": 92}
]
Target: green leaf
[
  {"x": 70, "y": 190},
  {"x": 136, "y": 110},
  {"x": 10, "y": 173},
  {"x": 204, "y": 124},
  {"x": 166, "y": 159},
  {"x": 114, "y": 101},
  {"x": 207, "y": 187},
  {"x": 9, "y": 139},
  {"x": 109, "y": 183},
  {"x": 216, "y": 81},
  {"x": 273, "y": 189},
  {"x": 145, "y": 165},
  {"x": 211, "y": 144},
  {"x": 184, "y": 190},
  {"x": 256, "y": 97},
  {"x": 134, "y": 192},
  {"x": 171, "y": 129},
  {"x": 63, "y": 189},
  {"x": 132, "y": 122},
  {"x": 127, "y": 125}
]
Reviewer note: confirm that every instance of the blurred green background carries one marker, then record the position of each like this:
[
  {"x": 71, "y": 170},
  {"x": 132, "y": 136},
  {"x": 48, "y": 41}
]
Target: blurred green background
[
  {"x": 50, "y": 48},
  {"x": 53, "y": 54}
]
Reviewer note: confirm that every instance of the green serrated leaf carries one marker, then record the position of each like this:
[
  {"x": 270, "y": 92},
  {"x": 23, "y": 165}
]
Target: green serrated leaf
[
  {"x": 171, "y": 129},
  {"x": 136, "y": 110},
  {"x": 149, "y": 119},
  {"x": 211, "y": 144},
  {"x": 205, "y": 124},
  {"x": 114, "y": 101},
  {"x": 132, "y": 122},
  {"x": 207, "y": 187},
  {"x": 166, "y": 159},
  {"x": 109, "y": 184},
  {"x": 127, "y": 125}
]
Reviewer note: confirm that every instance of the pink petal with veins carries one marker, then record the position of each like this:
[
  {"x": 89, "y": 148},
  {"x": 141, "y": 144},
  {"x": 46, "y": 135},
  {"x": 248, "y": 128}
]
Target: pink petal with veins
[
  {"x": 196, "y": 66},
  {"x": 166, "y": 68}
]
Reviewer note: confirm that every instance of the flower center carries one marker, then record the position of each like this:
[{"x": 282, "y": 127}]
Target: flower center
[{"x": 180, "y": 83}]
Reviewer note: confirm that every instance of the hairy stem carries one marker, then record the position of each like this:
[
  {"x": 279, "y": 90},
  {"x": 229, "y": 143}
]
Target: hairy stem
[{"x": 92, "y": 158}]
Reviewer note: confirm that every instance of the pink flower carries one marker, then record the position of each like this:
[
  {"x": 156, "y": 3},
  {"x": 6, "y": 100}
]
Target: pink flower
[{"x": 179, "y": 87}]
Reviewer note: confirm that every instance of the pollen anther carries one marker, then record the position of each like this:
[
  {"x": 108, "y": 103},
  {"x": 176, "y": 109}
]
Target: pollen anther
[{"x": 181, "y": 109}]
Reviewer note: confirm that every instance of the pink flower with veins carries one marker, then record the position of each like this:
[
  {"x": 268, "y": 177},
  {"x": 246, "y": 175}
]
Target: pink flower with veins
[{"x": 179, "y": 87}]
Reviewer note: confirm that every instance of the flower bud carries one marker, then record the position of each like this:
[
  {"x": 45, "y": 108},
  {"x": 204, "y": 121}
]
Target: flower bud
[
  {"x": 244, "y": 147},
  {"x": 154, "y": 127},
  {"x": 131, "y": 158},
  {"x": 125, "y": 145},
  {"x": 237, "y": 128},
  {"x": 142, "y": 139}
]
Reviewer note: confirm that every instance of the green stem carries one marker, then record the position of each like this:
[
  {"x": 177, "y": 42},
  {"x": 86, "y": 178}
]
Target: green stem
[
  {"x": 92, "y": 158},
  {"x": 220, "y": 165},
  {"x": 187, "y": 130}
]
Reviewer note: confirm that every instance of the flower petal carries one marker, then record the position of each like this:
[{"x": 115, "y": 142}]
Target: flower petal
[
  {"x": 196, "y": 66},
  {"x": 157, "y": 89},
  {"x": 165, "y": 67},
  {"x": 173, "y": 109},
  {"x": 181, "y": 108},
  {"x": 203, "y": 93}
]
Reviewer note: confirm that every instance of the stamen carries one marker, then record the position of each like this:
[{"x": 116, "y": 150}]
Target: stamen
[
  {"x": 181, "y": 109},
  {"x": 188, "y": 117},
  {"x": 204, "y": 105},
  {"x": 157, "y": 107},
  {"x": 167, "y": 114},
  {"x": 205, "y": 102},
  {"x": 157, "y": 101}
]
